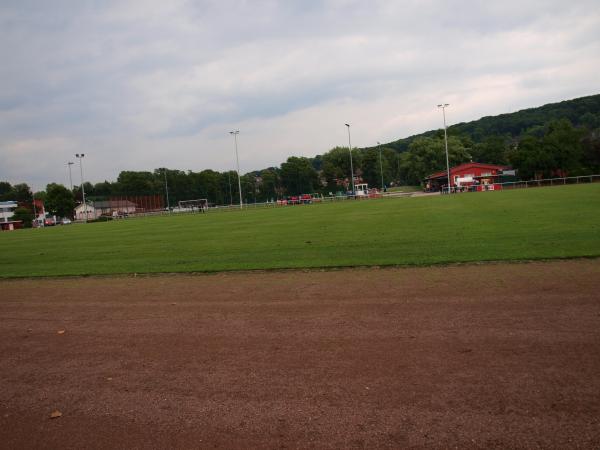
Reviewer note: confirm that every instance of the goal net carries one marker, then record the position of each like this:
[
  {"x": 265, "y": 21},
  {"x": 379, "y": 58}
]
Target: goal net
[{"x": 200, "y": 205}]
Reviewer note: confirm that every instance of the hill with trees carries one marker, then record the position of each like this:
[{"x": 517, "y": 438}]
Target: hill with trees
[{"x": 552, "y": 140}]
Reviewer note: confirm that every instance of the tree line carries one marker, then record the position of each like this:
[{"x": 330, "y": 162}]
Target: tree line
[{"x": 552, "y": 140}]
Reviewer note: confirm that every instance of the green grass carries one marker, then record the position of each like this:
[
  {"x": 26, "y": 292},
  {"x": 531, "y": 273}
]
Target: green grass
[{"x": 541, "y": 223}]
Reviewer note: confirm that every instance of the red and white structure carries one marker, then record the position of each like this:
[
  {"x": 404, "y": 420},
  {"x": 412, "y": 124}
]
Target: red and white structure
[{"x": 468, "y": 177}]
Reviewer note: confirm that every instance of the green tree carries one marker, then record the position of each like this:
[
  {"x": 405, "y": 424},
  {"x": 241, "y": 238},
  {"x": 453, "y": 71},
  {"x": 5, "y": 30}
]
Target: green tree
[
  {"x": 104, "y": 189},
  {"x": 428, "y": 155},
  {"x": 249, "y": 188},
  {"x": 136, "y": 183},
  {"x": 590, "y": 121},
  {"x": 492, "y": 150},
  {"x": 298, "y": 176},
  {"x": 270, "y": 187},
  {"x": 24, "y": 214},
  {"x": 59, "y": 200},
  {"x": 530, "y": 159},
  {"x": 40, "y": 195},
  {"x": 371, "y": 167},
  {"x": 21, "y": 193},
  {"x": 336, "y": 166},
  {"x": 5, "y": 190},
  {"x": 591, "y": 152},
  {"x": 89, "y": 191},
  {"x": 563, "y": 143}
]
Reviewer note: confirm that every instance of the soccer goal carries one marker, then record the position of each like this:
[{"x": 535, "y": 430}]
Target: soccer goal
[{"x": 200, "y": 205}]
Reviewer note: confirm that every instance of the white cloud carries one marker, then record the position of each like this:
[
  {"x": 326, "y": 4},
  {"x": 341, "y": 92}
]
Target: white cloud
[{"x": 138, "y": 86}]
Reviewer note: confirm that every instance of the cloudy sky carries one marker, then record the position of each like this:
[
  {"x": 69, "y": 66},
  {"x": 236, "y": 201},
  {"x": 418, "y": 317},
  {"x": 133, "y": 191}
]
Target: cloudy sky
[{"x": 137, "y": 85}]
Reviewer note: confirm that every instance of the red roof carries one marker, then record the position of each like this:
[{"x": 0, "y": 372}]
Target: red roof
[{"x": 465, "y": 166}]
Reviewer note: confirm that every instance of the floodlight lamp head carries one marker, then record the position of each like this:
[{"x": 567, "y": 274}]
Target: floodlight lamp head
[{"x": 347, "y": 124}]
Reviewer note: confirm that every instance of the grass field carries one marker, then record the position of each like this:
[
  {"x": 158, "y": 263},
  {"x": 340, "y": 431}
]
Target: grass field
[{"x": 558, "y": 222}]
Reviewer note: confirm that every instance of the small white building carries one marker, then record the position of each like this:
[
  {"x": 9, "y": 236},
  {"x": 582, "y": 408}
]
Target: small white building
[
  {"x": 111, "y": 208},
  {"x": 7, "y": 209},
  {"x": 81, "y": 211},
  {"x": 362, "y": 190}
]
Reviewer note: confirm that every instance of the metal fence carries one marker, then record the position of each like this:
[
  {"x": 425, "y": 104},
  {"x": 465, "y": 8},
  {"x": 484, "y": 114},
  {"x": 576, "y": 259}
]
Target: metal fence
[{"x": 583, "y": 179}]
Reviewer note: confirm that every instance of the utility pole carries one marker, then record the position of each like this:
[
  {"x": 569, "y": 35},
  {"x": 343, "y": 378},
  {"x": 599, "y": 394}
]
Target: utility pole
[
  {"x": 35, "y": 217},
  {"x": 235, "y": 134},
  {"x": 380, "y": 165},
  {"x": 69, "y": 164},
  {"x": 167, "y": 191},
  {"x": 444, "y": 106},
  {"x": 230, "y": 191},
  {"x": 80, "y": 157},
  {"x": 351, "y": 166}
]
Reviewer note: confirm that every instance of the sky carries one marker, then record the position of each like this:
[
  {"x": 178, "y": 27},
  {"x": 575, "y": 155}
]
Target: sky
[{"x": 137, "y": 85}]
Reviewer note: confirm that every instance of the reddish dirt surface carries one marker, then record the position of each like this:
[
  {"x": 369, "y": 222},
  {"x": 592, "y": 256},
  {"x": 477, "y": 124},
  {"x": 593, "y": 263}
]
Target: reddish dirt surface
[{"x": 488, "y": 356}]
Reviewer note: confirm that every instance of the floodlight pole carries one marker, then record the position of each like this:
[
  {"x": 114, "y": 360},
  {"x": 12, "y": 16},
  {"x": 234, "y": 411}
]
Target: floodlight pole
[
  {"x": 380, "y": 164},
  {"x": 230, "y": 191},
  {"x": 351, "y": 166},
  {"x": 69, "y": 164},
  {"x": 167, "y": 191},
  {"x": 80, "y": 157},
  {"x": 444, "y": 106},
  {"x": 237, "y": 160},
  {"x": 34, "y": 209}
]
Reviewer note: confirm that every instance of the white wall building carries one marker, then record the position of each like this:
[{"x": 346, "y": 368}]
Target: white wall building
[
  {"x": 106, "y": 207},
  {"x": 7, "y": 209},
  {"x": 92, "y": 213}
]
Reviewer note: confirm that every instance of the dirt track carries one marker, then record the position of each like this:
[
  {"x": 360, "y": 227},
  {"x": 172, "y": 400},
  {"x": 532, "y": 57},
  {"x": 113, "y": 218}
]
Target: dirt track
[{"x": 502, "y": 355}]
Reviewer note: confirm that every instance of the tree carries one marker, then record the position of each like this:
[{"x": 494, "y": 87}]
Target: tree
[
  {"x": 249, "y": 188},
  {"x": 136, "y": 183},
  {"x": 5, "y": 190},
  {"x": 371, "y": 167},
  {"x": 491, "y": 151},
  {"x": 428, "y": 155},
  {"x": 89, "y": 191},
  {"x": 270, "y": 187},
  {"x": 591, "y": 152},
  {"x": 104, "y": 188},
  {"x": 298, "y": 176},
  {"x": 590, "y": 121},
  {"x": 59, "y": 200},
  {"x": 530, "y": 159},
  {"x": 21, "y": 193},
  {"x": 336, "y": 165},
  {"x": 563, "y": 144},
  {"x": 40, "y": 195},
  {"x": 23, "y": 214}
]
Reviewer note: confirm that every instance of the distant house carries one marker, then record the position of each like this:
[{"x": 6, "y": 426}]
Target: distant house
[
  {"x": 81, "y": 211},
  {"x": 468, "y": 176},
  {"x": 104, "y": 208},
  {"x": 7, "y": 209}
]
